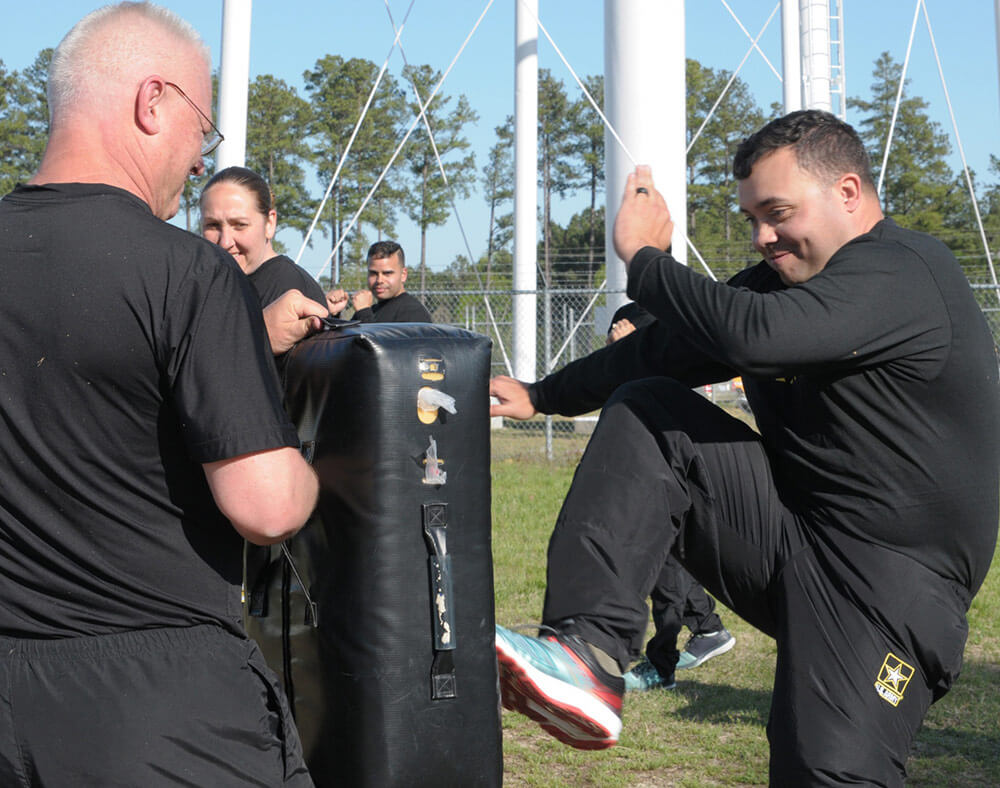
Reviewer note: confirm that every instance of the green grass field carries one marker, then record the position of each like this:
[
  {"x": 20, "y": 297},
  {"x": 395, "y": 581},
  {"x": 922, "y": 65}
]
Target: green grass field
[{"x": 710, "y": 730}]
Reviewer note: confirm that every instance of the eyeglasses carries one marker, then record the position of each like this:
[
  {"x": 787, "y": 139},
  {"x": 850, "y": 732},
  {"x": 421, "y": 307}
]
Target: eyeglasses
[{"x": 213, "y": 136}]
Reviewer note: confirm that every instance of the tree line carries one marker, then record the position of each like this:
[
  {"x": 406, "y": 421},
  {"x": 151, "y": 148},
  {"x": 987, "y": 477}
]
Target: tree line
[{"x": 290, "y": 136}]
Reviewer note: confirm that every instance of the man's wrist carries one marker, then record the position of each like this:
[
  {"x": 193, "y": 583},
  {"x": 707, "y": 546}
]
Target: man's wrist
[{"x": 535, "y": 396}]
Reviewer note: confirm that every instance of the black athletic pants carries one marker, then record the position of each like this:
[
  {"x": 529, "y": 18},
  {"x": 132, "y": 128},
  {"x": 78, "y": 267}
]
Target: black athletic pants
[
  {"x": 166, "y": 707},
  {"x": 866, "y": 637},
  {"x": 677, "y": 601}
]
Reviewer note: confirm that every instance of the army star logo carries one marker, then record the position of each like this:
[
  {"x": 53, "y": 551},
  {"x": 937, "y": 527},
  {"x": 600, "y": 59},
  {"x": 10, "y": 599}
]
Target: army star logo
[{"x": 893, "y": 677}]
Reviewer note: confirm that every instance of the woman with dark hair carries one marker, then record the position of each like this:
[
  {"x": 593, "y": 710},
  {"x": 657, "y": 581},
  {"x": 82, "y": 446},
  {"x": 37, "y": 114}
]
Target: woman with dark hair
[{"x": 238, "y": 214}]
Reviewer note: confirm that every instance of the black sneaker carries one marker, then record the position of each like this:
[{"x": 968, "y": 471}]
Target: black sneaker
[
  {"x": 556, "y": 681},
  {"x": 701, "y": 648}
]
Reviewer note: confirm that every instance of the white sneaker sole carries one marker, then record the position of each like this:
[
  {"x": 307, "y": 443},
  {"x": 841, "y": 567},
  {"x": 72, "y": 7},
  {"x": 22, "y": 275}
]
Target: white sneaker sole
[{"x": 570, "y": 714}]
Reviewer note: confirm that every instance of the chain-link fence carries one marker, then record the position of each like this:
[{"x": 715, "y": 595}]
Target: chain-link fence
[
  {"x": 572, "y": 322},
  {"x": 988, "y": 296},
  {"x": 569, "y": 322}
]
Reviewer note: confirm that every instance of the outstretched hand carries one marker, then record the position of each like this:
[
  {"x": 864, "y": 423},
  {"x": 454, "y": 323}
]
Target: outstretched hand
[
  {"x": 643, "y": 219},
  {"x": 291, "y": 318},
  {"x": 513, "y": 396}
]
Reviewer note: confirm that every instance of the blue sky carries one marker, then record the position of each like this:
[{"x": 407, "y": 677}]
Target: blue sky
[{"x": 288, "y": 36}]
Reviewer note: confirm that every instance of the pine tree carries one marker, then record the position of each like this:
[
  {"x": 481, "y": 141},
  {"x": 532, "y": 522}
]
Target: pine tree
[
  {"x": 277, "y": 126},
  {"x": 918, "y": 185},
  {"x": 11, "y": 131},
  {"x": 574, "y": 244},
  {"x": 556, "y": 173},
  {"x": 430, "y": 197},
  {"x": 24, "y": 120},
  {"x": 712, "y": 208},
  {"x": 498, "y": 189},
  {"x": 588, "y": 133},
  {"x": 338, "y": 90}
]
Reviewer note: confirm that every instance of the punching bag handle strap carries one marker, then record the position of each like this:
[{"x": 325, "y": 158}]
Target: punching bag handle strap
[
  {"x": 311, "y": 615},
  {"x": 435, "y": 522}
]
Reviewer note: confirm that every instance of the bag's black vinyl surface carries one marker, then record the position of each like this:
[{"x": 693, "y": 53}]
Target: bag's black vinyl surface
[{"x": 396, "y": 683}]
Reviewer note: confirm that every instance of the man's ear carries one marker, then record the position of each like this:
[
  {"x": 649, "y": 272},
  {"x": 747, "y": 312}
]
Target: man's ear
[
  {"x": 849, "y": 190},
  {"x": 402, "y": 274},
  {"x": 148, "y": 109}
]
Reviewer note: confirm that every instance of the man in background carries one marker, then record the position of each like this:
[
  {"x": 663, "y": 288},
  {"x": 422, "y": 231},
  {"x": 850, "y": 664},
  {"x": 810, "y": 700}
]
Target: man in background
[{"x": 386, "y": 283}]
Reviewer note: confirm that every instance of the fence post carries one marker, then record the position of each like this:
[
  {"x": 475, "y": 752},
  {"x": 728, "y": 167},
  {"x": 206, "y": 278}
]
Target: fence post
[{"x": 547, "y": 306}]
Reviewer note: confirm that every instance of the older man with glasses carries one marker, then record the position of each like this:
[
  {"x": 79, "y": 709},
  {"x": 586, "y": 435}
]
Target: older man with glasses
[
  {"x": 212, "y": 136},
  {"x": 129, "y": 471}
]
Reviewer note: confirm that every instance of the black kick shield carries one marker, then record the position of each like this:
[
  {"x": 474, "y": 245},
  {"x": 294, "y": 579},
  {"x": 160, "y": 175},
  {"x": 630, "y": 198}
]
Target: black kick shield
[{"x": 381, "y": 623}]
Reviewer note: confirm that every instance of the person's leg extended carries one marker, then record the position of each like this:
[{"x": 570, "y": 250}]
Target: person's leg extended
[{"x": 663, "y": 466}]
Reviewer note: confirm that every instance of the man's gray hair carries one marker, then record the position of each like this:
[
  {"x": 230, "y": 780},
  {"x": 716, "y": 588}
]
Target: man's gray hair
[{"x": 74, "y": 61}]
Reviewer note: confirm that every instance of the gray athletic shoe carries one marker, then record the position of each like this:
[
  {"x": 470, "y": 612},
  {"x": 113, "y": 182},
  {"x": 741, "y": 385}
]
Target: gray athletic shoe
[
  {"x": 644, "y": 676},
  {"x": 701, "y": 648}
]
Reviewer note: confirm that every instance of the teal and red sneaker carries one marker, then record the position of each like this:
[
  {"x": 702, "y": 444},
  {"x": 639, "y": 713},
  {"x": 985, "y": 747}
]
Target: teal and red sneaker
[{"x": 556, "y": 681}]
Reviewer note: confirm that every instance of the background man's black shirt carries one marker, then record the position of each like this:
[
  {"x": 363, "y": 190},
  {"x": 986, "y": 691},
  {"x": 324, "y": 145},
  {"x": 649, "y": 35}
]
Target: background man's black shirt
[{"x": 404, "y": 308}]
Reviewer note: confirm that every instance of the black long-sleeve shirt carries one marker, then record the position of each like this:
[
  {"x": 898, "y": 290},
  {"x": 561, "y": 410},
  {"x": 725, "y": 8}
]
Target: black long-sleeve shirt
[{"x": 874, "y": 385}]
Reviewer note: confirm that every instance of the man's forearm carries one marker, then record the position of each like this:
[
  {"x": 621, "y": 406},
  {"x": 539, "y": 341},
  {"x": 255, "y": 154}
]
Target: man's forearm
[{"x": 651, "y": 351}]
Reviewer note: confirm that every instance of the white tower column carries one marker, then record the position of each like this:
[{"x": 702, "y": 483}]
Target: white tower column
[
  {"x": 644, "y": 100},
  {"x": 791, "y": 55},
  {"x": 525, "y": 328},
  {"x": 814, "y": 17},
  {"x": 234, "y": 83}
]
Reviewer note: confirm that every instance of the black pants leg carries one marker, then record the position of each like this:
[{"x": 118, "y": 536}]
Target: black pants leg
[
  {"x": 677, "y": 601},
  {"x": 857, "y": 627},
  {"x": 664, "y": 470},
  {"x": 868, "y": 639},
  {"x": 699, "y": 610},
  {"x": 161, "y": 707}
]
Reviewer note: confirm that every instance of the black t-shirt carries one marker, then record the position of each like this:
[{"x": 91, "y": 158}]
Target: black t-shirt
[
  {"x": 874, "y": 386},
  {"x": 280, "y": 274},
  {"x": 404, "y": 308},
  {"x": 146, "y": 358}
]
